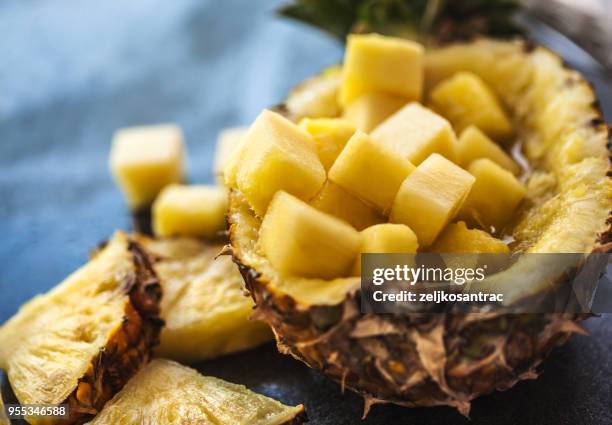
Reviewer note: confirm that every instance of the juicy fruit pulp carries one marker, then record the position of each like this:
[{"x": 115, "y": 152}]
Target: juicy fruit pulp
[
  {"x": 228, "y": 141},
  {"x": 386, "y": 238},
  {"x": 457, "y": 238},
  {"x": 370, "y": 109},
  {"x": 330, "y": 135},
  {"x": 473, "y": 144}
]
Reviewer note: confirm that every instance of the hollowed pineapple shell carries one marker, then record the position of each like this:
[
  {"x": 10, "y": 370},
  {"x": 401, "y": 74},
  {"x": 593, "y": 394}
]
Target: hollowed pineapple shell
[{"x": 429, "y": 360}]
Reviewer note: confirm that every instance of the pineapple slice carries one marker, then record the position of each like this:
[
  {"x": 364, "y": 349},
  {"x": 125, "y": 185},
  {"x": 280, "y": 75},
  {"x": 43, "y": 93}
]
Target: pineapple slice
[
  {"x": 338, "y": 202},
  {"x": 228, "y": 141},
  {"x": 317, "y": 97},
  {"x": 415, "y": 132},
  {"x": 79, "y": 343},
  {"x": 474, "y": 144},
  {"x": 204, "y": 305},
  {"x": 145, "y": 159},
  {"x": 370, "y": 109},
  {"x": 165, "y": 392},
  {"x": 374, "y": 62},
  {"x": 299, "y": 240},
  {"x": 370, "y": 171},
  {"x": 456, "y": 237},
  {"x": 197, "y": 211},
  {"x": 277, "y": 155},
  {"x": 494, "y": 196},
  {"x": 386, "y": 238},
  {"x": 430, "y": 197},
  {"x": 330, "y": 135},
  {"x": 466, "y": 100}
]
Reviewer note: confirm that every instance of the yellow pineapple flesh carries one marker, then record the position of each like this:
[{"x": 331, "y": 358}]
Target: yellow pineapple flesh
[
  {"x": 457, "y": 238},
  {"x": 330, "y": 135},
  {"x": 370, "y": 109},
  {"x": 474, "y": 144},
  {"x": 228, "y": 141},
  {"x": 386, "y": 238}
]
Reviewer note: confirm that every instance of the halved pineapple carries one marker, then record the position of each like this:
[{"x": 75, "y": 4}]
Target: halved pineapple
[
  {"x": 79, "y": 343},
  {"x": 167, "y": 393}
]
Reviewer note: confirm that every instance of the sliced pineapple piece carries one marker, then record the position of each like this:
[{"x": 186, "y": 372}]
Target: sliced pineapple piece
[
  {"x": 300, "y": 240},
  {"x": 145, "y": 159},
  {"x": 494, "y": 196},
  {"x": 374, "y": 62},
  {"x": 228, "y": 141},
  {"x": 456, "y": 237},
  {"x": 474, "y": 144},
  {"x": 330, "y": 135},
  {"x": 466, "y": 100},
  {"x": 277, "y": 155},
  {"x": 370, "y": 171},
  {"x": 430, "y": 197},
  {"x": 317, "y": 97},
  {"x": 338, "y": 202},
  {"x": 386, "y": 238},
  {"x": 415, "y": 132},
  {"x": 370, "y": 109},
  {"x": 165, "y": 392}
]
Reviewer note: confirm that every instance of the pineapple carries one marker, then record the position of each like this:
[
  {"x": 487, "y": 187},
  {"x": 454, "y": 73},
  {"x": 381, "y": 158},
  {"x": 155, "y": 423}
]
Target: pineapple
[
  {"x": 145, "y": 159},
  {"x": 79, "y": 343},
  {"x": 330, "y": 135},
  {"x": 165, "y": 392},
  {"x": 474, "y": 144},
  {"x": 316, "y": 98},
  {"x": 319, "y": 245},
  {"x": 456, "y": 237},
  {"x": 228, "y": 141},
  {"x": 370, "y": 109},
  {"x": 383, "y": 64},
  {"x": 430, "y": 197},
  {"x": 415, "y": 132},
  {"x": 204, "y": 307},
  {"x": 466, "y": 100},
  {"x": 197, "y": 211},
  {"x": 386, "y": 238},
  {"x": 370, "y": 171}
]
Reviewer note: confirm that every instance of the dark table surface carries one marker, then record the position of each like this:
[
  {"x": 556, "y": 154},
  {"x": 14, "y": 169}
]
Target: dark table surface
[{"x": 74, "y": 71}]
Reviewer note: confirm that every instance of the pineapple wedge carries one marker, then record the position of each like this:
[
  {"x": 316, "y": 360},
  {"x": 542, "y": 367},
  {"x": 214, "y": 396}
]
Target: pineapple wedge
[
  {"x": 473, "y": 144},
  {"x": 330, "y": 135},
  {"x": 79, "y": 343},
  {"x": 466, "y": 100},
  {"x": 430, "y": 197},
  {"x": 228, "y": 141},
  {"x": 370, "y": 109},
  {"x": 167, "y": 393},
  {"x": 457, "y": 238},
  {"x": 300, "y": 240},
  {"x": 415, "y": 132},
  {"x": 386, "y": 238},
  {"x": 204, "y": 305}
]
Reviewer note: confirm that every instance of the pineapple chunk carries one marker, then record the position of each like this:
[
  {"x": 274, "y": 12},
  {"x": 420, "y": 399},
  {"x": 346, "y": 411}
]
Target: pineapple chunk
[
  {"x": 277, "y": 155},
  {"x": 430, "y": 197},
  {"x": 316, "y": 97},
  {"x": 228, "y": 142},
  {"x": 145, "y": 159},
  {"x": 165, "y": 392},
  {"x": 330, "y": 135},
  {"x": 370, "y": 171},
  {"x": 336, "y": 201},
  {"x": 415, "y": 132},
  {"x": 456, "y": 237},
  {"x": 299, "y": 240},
  {"x": 474, "y": 144},
  {"x": 374, "y": 62},
  {"x": 494, "y": 196},
  {"x": 370, "y": 109},
  {"x": 466, "y": 100},
  {"x": 386, "y": 238}
]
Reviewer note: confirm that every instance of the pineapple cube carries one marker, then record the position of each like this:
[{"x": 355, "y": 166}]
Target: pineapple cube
[
  {"x": 330, "y": 136},
  {"x": 386, "y": 238},
  {"x": 277, "y": 155},
  {"x": 370, "y": 171},
  {"x": 430, "y": 197},
  {"x": 474, "y": 144},
  {"x": 370, "y": 109},
  {"x": 319, "y": 245},
  {"x": 145, "y": 159},
  {"x": 228, "y": 141},
  {"x": 197, "y": 211},
  {"x": 415, "y": 132},
  {"x": 336, "y": 201},
  {"x": 374, "y": 62},
  {"x": 466, "y": 100},
  {"x": 456, "y": 237},
  {"x": 494, "y": 196}
]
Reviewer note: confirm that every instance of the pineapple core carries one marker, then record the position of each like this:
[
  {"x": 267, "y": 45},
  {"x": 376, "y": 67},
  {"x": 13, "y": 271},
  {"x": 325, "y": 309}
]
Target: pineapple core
[
  {"x": 386, "y": 238},
  {"x": 456, "y": 237},
  {"x": 466, "y": 100},
  {"x": 494, "y": 196},
  {"x": 277, "y": 155},
  {"x": 370, "y": 171},
  {"x": 299, "y": 240},
  {"x": 430, "y": 197},
  {"x": 377, "y": 63},
  {"x": 474, "y": 144},
  {"x": 228, "y": 141},
  {"x": 415, "y": 132},
  {"x": 197, "y": 211},
  {"x": 330, "y": 135},
  {"x": 370, "y": 109},
  {"x": 145, "y": 159}
]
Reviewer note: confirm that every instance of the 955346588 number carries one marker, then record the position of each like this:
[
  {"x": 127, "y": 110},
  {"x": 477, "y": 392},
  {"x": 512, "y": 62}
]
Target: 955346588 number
[{"x": 19, "y": 411}]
